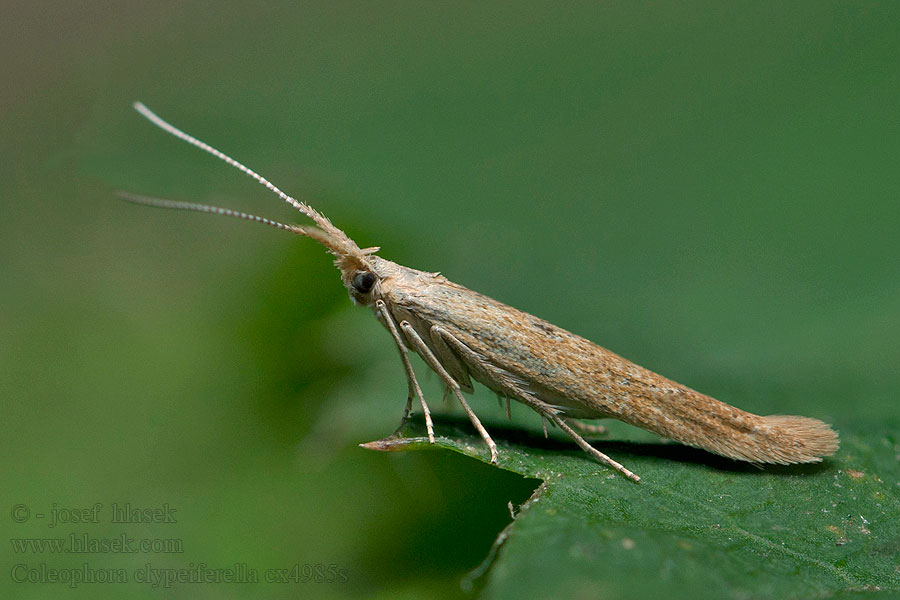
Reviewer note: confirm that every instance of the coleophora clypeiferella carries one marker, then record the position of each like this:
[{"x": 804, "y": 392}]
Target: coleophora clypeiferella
[{"x": 463, "y": 335}]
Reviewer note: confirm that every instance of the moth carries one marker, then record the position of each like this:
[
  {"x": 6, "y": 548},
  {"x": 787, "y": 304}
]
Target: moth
[{"x": 464, "y": 336}]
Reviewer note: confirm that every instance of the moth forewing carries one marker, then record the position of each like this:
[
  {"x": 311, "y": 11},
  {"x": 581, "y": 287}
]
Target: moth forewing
[{"x": 562, "y": 375}]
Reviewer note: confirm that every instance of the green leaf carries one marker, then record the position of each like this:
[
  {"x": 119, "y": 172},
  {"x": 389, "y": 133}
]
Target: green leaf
[{"x": 697, "y": 525}]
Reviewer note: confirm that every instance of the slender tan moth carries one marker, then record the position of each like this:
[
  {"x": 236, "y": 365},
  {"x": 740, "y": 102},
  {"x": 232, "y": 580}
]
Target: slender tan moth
[{"x": 462, "y": 335}]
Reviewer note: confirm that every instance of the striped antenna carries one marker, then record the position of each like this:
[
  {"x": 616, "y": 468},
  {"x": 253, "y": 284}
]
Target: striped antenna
[
  {"x": 205, "y": 208},
  {"x": 349, "y": 256},
  {"x": 168, "y": 127}
]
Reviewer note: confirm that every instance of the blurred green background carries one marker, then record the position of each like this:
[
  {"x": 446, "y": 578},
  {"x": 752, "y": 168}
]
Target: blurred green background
[{"x": 708, "y": 189}]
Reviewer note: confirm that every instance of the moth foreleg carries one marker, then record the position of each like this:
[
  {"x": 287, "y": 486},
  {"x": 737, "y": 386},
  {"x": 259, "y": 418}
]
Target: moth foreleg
[
  {"x": 429, "y": 357},
  {"x": 411, "y": 380}
]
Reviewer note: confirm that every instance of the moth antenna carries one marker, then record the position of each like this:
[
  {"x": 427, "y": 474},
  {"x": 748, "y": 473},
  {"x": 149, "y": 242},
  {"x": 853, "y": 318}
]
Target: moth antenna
[
  {"x": 337, "y": 242},
  {"x": 205, "y": 208},
  {"x": 169, "y": 128}
]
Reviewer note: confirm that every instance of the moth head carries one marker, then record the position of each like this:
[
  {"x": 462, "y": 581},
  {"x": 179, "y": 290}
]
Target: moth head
[
  {"x": 360, "y": 277},
  {"x": 362, "y": 286},
  {"x": 356, "y": 264}
]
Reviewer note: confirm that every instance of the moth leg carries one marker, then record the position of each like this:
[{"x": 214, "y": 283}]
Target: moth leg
[
  {"x": 503, "y": 379},
  {"x": 588, "y": 428},
  {"x": 542, "y": 408},
  {"x": 561, "y": 423},
  {"x": 410, "y": 374},
  {"x": 425, "y": 352},
  {"x": 398, "y": 431}
]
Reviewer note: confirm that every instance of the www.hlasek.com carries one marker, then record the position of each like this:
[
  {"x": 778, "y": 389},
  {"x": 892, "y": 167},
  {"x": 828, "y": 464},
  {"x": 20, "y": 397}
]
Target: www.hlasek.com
[
  {"x": 168, "y": 577},
  {"x": 85, "y": 543}
]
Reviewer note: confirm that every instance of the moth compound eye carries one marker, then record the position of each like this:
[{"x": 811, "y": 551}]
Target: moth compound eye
[{"x": 363, "y": 282}]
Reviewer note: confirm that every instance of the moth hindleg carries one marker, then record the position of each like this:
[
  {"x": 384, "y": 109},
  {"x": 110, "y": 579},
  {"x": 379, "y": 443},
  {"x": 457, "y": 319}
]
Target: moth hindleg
[
  {"x": 588, "y": 428},
  {"x": 410, "y": 374},
  {"x": 508, "y": 381},
  {"x": 561, "y": 423},
  {"x": 429, "y": 357}
]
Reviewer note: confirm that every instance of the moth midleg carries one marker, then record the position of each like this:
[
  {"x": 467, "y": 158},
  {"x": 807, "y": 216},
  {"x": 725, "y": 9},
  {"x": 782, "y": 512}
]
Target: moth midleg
[
  {"x": 501, "y": 379},
  {"x": 473, "y": 359},
  {"x": 429, "y": 357},
  {"x": 449, "y": 359},
  {"x": 410, "y": 374}
]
